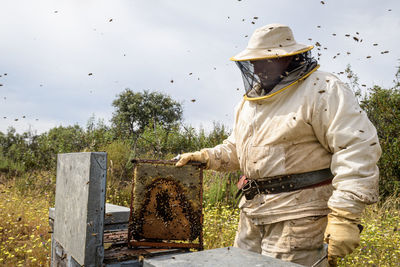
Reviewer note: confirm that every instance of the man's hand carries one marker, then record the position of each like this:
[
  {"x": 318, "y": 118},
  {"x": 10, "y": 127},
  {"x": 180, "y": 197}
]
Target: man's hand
[
  {"x": 342, "y": 234},
  {"x": 200, "y": 156}
]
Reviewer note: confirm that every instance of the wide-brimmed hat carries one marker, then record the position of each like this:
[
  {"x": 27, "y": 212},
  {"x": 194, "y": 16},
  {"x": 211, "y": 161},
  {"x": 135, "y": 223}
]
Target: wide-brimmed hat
[{"x": 271, "y": 41}]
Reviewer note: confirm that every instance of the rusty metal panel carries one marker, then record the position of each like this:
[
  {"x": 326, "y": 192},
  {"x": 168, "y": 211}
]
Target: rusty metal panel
[{"x": 166, "y": 202}]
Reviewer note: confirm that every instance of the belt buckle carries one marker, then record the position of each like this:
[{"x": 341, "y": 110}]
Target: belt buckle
[{"x": 249, "y": 185}]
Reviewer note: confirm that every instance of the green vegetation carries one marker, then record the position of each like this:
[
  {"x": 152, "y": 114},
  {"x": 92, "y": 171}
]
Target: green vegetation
[
  {"x": 382, "y": 106},
  {"x": 25, "y": 241},
  {"x": 383, "y": 109},
  {"x": 147, "y": 125},
  {"x": 134, "y": 111},
  {"x": 24, "y": 225},
  {"x": 380, "y": 239}
]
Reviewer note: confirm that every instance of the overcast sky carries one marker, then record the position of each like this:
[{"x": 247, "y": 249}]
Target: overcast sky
[{"x": 48, "y": 48}]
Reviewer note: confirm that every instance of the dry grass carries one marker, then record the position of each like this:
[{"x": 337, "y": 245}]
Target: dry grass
[
  {"x": 24, "y": 228},
  {"x": 380, "y": 239},
  {"x": 219, "y": 228},
  {"x": 25, "y": 241}
]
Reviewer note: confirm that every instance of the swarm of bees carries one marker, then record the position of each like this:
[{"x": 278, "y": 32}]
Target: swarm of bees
[{"x": 253, "y": 19}]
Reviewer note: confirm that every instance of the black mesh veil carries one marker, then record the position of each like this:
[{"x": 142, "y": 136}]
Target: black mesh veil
[{"x": 258, "y": 84}]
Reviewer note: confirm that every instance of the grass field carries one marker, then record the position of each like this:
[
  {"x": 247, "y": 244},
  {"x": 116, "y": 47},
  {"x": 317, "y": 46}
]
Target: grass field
[{"x": 25, "y": 238}]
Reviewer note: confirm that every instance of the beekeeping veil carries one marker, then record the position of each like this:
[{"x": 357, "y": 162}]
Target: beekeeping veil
[{"x": 273, "y": 61}]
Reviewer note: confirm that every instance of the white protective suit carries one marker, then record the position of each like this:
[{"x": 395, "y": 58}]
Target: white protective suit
[{"x": 311, "y": 125}]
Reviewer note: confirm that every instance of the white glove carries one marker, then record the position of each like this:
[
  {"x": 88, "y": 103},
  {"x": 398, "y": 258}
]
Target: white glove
[{"x": 200, "y": 156}]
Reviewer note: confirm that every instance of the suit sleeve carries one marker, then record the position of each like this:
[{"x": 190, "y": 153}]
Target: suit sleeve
[
  {"x": 344, "y": 129},
  {"x": 224, "y": 157}
]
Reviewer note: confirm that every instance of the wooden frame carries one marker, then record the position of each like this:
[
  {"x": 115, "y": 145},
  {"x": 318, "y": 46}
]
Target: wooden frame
[{"x": 166, "y": 205}]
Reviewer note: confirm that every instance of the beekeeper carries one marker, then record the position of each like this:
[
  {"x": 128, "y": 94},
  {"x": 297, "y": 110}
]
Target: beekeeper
[{"x": 307, "y": 150}]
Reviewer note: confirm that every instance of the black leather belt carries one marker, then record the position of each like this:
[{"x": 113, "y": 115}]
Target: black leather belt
[{"x": 285, "y": 183}]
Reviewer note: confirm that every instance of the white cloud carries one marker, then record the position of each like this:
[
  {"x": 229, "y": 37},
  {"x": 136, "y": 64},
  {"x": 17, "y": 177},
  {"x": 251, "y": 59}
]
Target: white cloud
[{"x": 49, "y": 55}]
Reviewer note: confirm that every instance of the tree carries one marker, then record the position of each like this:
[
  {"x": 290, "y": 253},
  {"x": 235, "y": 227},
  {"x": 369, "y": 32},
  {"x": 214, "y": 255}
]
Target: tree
[
  {"x": 134, "y": 111},
  {"x": 97, "y": 134},
  {"x": 58, "y": 140},
  {"x": 382, "y": 106},
  {"x": 383, "y": 109}
]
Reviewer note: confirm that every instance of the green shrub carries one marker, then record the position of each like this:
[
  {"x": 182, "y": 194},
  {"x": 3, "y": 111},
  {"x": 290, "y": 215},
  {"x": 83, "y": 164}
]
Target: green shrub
[
  {"x": 97, "y": 134},
  {"x": 118, "y": 160},
  {"x": 383, "y": 109},
  {"x": 382, "y": 106},
  {"x": 220, "y": 188},
  {"x": 119, "y": 172}
]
